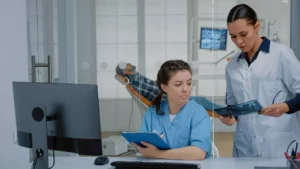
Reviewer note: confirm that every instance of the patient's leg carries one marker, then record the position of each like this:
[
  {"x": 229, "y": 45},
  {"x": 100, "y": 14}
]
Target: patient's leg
[{"x": 207, "y": 104}]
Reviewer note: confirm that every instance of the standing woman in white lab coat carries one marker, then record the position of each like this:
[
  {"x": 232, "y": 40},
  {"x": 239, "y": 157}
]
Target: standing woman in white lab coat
[{"x": 270, "y": 73}]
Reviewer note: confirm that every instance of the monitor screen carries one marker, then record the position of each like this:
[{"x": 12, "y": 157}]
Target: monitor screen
[
  {"x": 70, "y": 112},
  {"x": 213, "y": 38}
]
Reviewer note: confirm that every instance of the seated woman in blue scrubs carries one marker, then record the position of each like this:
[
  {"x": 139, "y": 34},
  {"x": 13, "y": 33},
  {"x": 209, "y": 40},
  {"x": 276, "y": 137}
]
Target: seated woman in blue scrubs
[{"x": 183, "y": 124}]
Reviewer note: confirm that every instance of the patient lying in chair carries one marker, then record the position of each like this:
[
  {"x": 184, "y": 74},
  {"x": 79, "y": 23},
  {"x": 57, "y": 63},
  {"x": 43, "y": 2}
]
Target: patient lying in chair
[{"x": 148, "y": 88}]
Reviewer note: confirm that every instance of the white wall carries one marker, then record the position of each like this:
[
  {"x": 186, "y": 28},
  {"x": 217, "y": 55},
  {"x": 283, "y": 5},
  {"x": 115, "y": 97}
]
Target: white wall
[
  {"x": 116, "y": 30},
  {"x": 216, "y": 13},
  {"x": 279, "y": 11},
  {"x": 166, "y": 38},
  {"x": 166, "y": 33},
  {"x": 13, "y": 67},
  {"x": 213, "y": 11}
]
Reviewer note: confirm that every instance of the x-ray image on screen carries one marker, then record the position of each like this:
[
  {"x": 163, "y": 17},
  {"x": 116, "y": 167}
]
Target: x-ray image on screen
[{"x": 213, "y": 38}]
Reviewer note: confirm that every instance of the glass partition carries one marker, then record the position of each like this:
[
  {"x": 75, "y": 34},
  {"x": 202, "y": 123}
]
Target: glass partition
[{"x": 86, "y": 40}]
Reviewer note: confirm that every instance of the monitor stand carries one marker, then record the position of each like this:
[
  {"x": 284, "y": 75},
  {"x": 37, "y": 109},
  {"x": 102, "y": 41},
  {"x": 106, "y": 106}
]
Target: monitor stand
[{"x": 39, "y": 138}]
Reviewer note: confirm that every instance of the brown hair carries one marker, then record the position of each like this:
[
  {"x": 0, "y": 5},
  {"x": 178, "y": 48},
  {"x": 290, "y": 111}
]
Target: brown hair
[{"x": 166, "y": 71}]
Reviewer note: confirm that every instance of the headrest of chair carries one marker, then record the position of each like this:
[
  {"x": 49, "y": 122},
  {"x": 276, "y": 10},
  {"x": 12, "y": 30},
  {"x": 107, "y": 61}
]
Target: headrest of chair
[{"x": 121, "y": 79}]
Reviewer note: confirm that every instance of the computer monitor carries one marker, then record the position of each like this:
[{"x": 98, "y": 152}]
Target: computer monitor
[
  {"x": 213, "y": 38},
  {"x": 63, "y": 117}
]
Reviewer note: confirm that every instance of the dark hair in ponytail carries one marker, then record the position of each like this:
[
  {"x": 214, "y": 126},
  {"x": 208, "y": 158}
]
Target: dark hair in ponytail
[
  {"x": 166, "y": 71},
  {"x": 242, "y": 11}
]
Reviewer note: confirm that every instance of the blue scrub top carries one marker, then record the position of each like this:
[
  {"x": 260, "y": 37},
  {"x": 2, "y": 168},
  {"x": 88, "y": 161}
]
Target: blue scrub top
[{"x": 190, "y": 127}]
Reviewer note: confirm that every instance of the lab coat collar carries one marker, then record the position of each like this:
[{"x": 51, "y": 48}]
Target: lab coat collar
[{"x": 264, "y": 46}]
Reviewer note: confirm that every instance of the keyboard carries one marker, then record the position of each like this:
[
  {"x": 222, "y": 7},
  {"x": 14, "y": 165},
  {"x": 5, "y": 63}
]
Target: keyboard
[{"x": 153, "y": 165}]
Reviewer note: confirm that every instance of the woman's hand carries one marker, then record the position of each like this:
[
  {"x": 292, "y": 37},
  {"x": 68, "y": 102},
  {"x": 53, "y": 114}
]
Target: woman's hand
[
  {"x": 275, "y": 110},
  {"x": 150, "y": 151},
  {"x": 229, "y": 121}
]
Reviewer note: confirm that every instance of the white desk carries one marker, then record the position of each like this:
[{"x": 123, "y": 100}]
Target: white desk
[{"x": 213, "y": 163}]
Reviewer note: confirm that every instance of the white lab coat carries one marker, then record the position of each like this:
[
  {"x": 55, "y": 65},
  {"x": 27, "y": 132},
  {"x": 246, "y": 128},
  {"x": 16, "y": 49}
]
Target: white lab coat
[{"x": 273, "y": 77}]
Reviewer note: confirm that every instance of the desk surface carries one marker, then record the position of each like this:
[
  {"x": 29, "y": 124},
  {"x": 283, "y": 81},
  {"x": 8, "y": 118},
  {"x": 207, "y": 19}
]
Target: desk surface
[{"x": 224, "y": 163}]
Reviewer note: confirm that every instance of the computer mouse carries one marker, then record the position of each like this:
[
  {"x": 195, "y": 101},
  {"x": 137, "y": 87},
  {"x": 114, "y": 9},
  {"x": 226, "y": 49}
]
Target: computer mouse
[{"x": 101, "y": 160}]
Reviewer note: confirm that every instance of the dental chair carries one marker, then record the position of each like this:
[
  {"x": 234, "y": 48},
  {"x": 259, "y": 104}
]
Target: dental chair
[{"x": 142, "y": 101}]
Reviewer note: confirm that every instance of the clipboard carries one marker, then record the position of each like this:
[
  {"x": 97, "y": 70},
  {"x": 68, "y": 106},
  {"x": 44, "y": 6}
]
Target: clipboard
[{"x": 151, "y": 138}]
